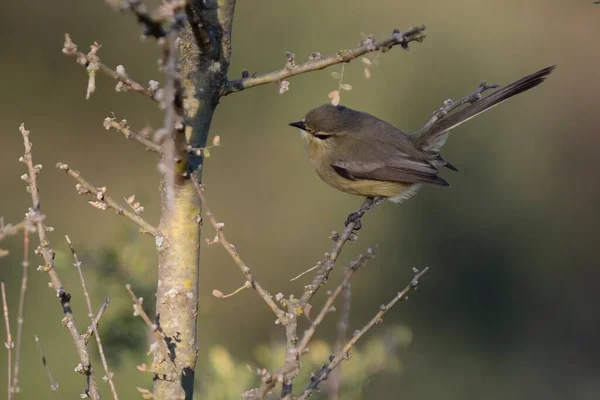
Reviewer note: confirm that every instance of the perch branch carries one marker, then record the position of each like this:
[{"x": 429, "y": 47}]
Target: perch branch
[
  {"x": 47, "y": 253},
  {"x": 109, "y": 375},
  {"x": 376, "y": 320},
  {"x": 328, "y": 264},
  {"x": 103, "y": 201},
  {"x": 398, "y": 38},
  {"x": 230, "y": 248}
]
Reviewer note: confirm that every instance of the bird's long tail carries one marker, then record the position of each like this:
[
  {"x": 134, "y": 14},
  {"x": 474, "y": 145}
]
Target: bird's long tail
[{"x": 433, "y": 139}]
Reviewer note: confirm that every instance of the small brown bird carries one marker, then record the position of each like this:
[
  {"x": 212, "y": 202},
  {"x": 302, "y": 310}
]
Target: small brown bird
[{"x": 360, "y": 154}]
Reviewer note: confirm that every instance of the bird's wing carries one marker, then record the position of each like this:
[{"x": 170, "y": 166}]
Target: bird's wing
[{"x": 399, "y": 168}]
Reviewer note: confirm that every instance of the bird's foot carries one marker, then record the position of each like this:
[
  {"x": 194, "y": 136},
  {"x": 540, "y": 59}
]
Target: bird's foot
[{"x": 355, "y": 218}]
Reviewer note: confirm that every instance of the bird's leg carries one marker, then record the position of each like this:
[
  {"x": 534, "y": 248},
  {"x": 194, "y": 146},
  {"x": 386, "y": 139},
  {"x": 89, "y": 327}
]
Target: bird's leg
[{"x": 356, "y": 216}]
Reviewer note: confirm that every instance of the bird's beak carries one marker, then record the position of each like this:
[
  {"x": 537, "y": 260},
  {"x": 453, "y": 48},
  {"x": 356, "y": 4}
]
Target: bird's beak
[{"x": 299, "y": 124}]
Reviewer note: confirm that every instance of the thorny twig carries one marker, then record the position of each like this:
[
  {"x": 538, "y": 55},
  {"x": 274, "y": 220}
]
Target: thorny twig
[
  {"x": 47, "y": 253},
  {"x": 109, "y": 375},
  {"x": 53, "y": 383},
  {"x": 103, "y": 201},
  {"x": 377, "y": 319},
  {"x": 398, "y": 38}
]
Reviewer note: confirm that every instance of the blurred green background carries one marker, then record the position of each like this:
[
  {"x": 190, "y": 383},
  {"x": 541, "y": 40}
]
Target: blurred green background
[{"x": 509, "y": 308}]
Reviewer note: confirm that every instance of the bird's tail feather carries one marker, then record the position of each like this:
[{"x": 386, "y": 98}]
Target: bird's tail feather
[{"x": 435, "y": 137}]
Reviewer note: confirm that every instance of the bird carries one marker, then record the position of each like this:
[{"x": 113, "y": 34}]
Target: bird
[{"x": 360, "y": 154}]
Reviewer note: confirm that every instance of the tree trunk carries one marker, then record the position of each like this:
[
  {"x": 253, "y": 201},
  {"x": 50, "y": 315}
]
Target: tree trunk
[{"x": 205, "y": 48}]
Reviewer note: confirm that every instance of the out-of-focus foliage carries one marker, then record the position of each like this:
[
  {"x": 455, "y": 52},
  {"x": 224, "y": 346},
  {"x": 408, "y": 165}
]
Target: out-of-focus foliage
[{"x": 379, "y": 354}]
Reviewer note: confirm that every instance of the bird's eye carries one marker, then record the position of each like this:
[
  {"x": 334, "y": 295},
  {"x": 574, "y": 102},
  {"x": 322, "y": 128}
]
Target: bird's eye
[{"x": 321, "y": 136}]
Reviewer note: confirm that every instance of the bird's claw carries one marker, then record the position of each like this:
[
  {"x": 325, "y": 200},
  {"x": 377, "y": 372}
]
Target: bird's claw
[{"x": 354, "y": 218}]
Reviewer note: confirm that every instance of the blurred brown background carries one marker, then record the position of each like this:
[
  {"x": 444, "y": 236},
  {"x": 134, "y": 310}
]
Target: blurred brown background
[{"x": 509, "y": 307}]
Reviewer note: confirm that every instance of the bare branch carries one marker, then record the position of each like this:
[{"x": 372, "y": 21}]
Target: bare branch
[
  {"x": 9, "y": 343},
  {"x": 24, "y": 276},
  {"x": 376, "y": 320},
  {"x": 230, "y": 248},
  {"x": 161, "y": 338},
  {"x": 91, "y": 327},
  {"x": 103, "y": 201},
  {"x": 362, "y": 260},
  {"x": 85, "y": 366},
  {"x": 11, "y": 230},
  {"x": 398, "y": 38},
  {"x": 109, "y": 375},
  {"x": 53, "y": 383},
  {"x": 92, "y": 63},
  {"x": 121, "y": 126}
]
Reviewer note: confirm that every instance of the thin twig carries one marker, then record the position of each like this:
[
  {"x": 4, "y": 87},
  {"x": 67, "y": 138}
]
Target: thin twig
[
  {"x": 398, "y": 38},
  {"x": 53, "y": 383},
  {"x": 335, "y": 380},
  {"x": 138, "y": 310},
  {"x": 20, "y": 313},
  {"x": 103, "y": 201},
  {"x": 121, "y": 126},
  {"x": 109, "y": 375},
  {"x": 11, "y": 230},
  {"x": 230, "y": 248},
  {"x": 92, "y": 63},
  {"x": 44, "y": 249},
  {"x": 376, "y": 320},
  {"x": 361, "y": 261},
  {"x": 9, "y": 343},
  {"x": 90, "y": 329}
]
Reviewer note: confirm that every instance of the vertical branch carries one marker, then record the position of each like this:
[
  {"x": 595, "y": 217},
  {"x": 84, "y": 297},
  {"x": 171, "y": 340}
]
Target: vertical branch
[
  {"x": 48, "y": 253},
  {"x": 15, "y": 382},
  {"x": 9, "y": 342},
  {"x": 109, "y": 375},
  {"x": 204, "y": 50}
]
